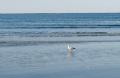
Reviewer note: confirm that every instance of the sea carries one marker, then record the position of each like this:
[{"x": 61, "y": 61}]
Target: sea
[{"x": 37, "y": 43}]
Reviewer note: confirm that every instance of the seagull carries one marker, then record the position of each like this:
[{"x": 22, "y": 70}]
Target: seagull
[
  {"x": 70, "y": 49},
  {"x": 70, "y": 52}
]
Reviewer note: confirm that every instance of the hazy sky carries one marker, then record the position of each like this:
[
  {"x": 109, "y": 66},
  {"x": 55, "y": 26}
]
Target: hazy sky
[{"x": 39, "y": 6}]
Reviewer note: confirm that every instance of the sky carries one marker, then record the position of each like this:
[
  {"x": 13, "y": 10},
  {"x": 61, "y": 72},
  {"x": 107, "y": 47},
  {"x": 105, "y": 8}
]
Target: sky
[{"x": 59, "y": 6}]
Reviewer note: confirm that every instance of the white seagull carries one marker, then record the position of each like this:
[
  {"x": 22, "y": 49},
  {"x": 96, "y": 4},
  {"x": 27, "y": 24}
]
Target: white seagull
[
  {"x": 70, "y": 52},
  {"x": 70, "y": 49}
]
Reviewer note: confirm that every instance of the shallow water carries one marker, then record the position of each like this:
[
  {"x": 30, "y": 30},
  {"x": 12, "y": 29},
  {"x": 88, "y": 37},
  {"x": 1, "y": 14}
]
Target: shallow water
[{"x": 44, "y": 56}]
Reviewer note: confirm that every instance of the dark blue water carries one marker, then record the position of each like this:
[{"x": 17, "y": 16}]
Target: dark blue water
[
  {"x": 60, "y": 20},
  {"x": 22, "y": 29}
]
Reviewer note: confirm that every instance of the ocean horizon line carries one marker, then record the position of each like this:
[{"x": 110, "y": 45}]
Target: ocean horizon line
[{"x": 61, "y": 13}]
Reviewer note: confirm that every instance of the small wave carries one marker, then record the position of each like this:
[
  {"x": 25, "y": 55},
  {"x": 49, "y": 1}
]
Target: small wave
[
  {"x": 57, "y": 34},
  {"x": 30, "y": 43},
  {"x": 60, "y": 26}
]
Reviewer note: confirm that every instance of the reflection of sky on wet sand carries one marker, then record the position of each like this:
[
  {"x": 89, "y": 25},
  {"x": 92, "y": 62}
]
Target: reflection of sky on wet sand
[{"x": 45, "y": 56}]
